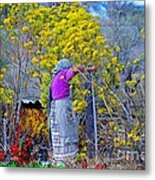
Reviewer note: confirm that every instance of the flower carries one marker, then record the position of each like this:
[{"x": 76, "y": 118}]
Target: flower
[
  {"x": 101, "y": 166},
  {"x": 25, "y": 29},
  {"x": 2, "y": 155}
]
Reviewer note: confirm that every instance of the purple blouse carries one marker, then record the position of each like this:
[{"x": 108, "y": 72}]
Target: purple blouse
[{"x": 60, "y": 87}]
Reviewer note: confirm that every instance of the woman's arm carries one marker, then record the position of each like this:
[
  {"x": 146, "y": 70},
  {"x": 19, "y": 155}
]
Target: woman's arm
[
  {"x": 91, "y": 69},
  {"x": 77, "y": 69}
]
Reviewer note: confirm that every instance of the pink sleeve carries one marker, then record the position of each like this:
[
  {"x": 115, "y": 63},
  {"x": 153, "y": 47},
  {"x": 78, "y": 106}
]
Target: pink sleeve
[{"x": 69, "y": 74}]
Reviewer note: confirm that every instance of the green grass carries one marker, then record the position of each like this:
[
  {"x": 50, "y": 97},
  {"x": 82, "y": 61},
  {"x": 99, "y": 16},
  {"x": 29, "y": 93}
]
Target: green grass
[{"x": 34, "y": 165}]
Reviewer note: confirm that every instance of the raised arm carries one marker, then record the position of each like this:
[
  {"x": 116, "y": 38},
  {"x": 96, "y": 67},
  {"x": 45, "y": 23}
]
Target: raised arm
[
  {"x": 78, "y": 69},
  {"x": 71, "y": 72}
]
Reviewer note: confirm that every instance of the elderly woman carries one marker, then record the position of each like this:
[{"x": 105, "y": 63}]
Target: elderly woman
[{"x": 63, "y": 121}]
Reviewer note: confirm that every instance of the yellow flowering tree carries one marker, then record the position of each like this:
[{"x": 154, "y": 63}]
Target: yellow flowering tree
[{"x": 68, "y": 31}]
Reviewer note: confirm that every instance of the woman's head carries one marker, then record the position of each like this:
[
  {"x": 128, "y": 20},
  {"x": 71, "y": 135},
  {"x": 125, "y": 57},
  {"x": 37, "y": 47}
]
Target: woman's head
[{"x": 61, "y": 65}]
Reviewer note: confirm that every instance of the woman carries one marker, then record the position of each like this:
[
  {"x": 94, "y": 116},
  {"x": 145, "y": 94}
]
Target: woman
[{"x": 63, "y": 121}]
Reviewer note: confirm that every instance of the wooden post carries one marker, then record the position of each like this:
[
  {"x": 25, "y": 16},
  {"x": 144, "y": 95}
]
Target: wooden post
[
  {"x": 94, "y": 118},
  {"x": 91, "y": 129}
]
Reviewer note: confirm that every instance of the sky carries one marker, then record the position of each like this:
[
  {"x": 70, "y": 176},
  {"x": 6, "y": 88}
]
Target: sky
[{"x": 139, "y": 2}]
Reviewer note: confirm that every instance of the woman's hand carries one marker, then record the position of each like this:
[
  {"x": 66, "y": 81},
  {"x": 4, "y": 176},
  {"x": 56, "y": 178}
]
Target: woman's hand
[{"x": 90, "y": 69}]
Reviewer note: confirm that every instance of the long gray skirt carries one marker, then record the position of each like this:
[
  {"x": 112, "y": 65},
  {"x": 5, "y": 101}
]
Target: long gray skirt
[{"x": 64, "y": 131}]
